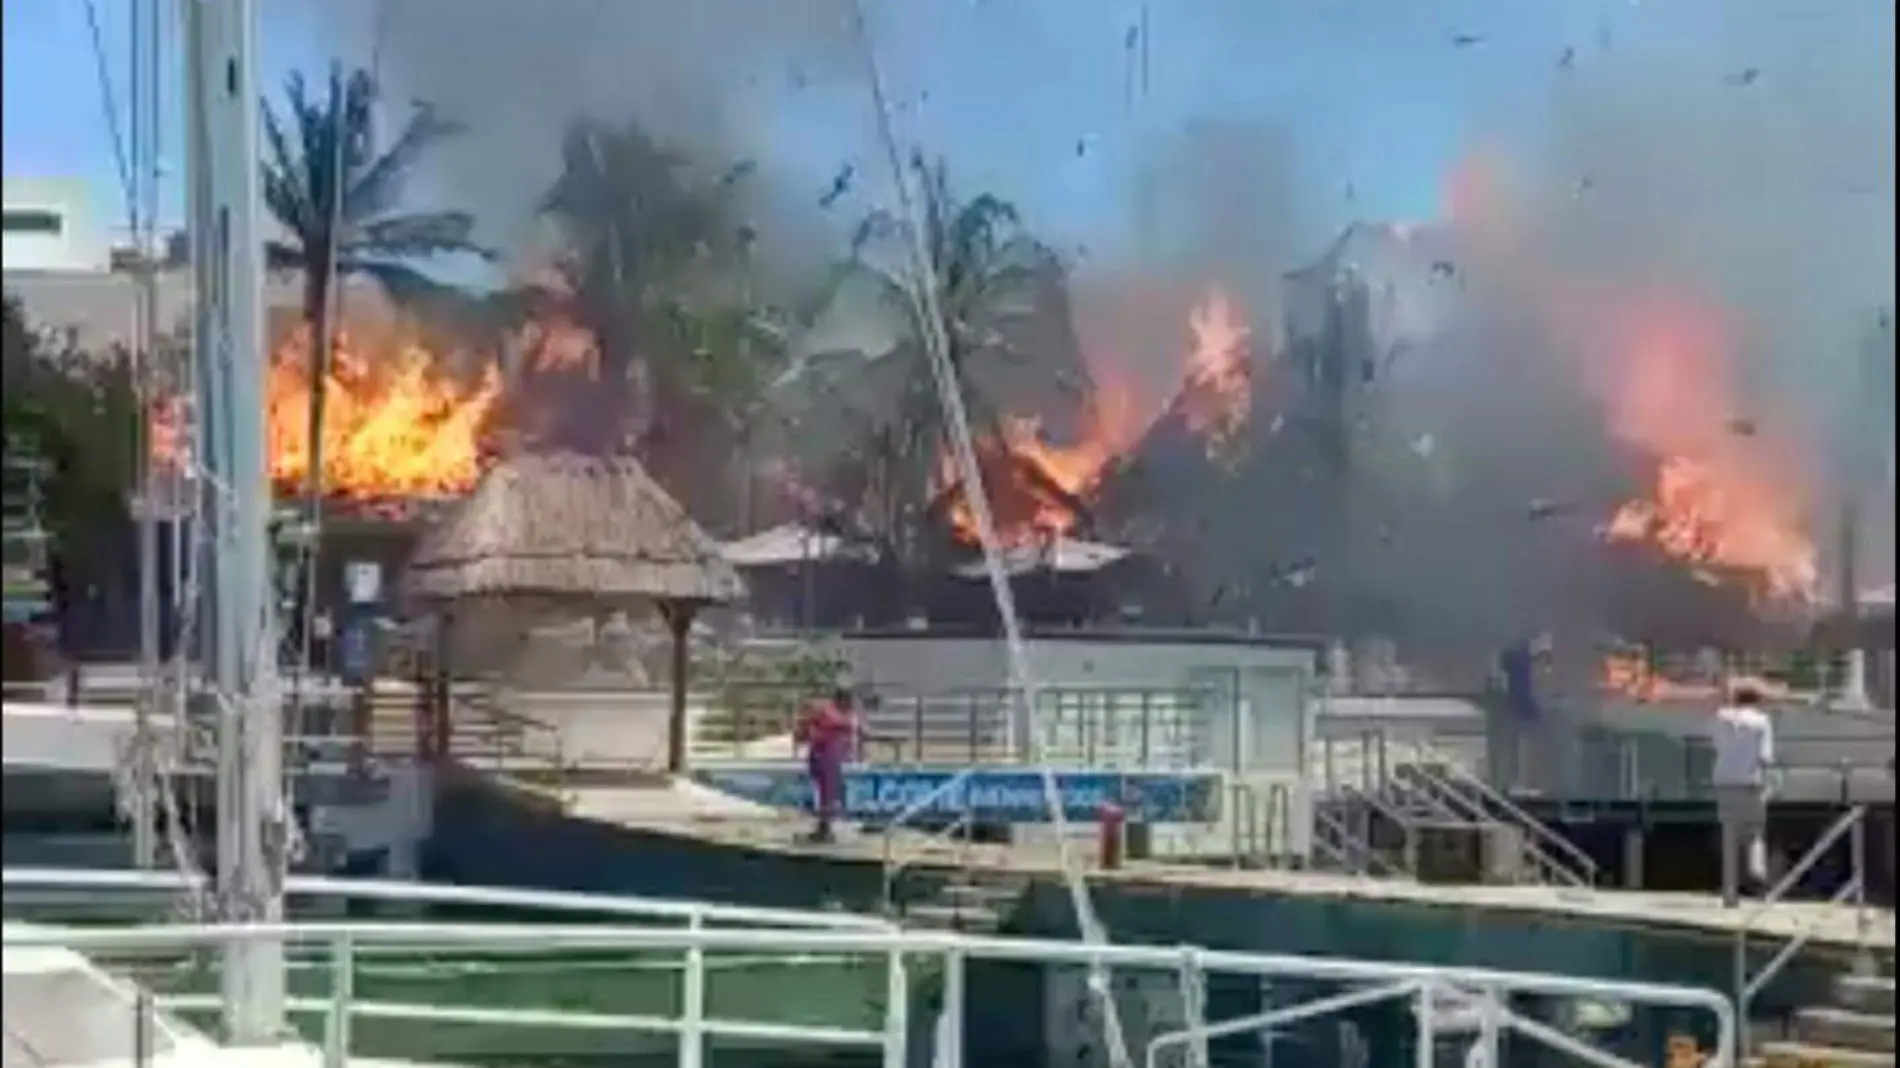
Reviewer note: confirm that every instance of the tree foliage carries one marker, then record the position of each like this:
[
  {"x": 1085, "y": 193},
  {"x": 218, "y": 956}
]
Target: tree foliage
[
  {"x": 990, "y": 277},
  {"x": 373, "y": 236},
  {"x": 654, "y": 263},
  {"x": 78, "y": 414}
]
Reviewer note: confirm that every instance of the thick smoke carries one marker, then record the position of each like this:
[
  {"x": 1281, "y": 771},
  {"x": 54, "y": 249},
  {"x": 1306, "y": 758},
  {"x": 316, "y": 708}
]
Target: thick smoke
[
  {"x": 1732, "y": 159},
  {"x": 1739, "y": 174},
  {"x": 707, "y": 79},
  {"x": 1736, "y": 153}
]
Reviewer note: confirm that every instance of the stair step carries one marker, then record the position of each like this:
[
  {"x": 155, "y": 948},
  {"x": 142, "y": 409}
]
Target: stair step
[
  {"x": 1846, "y": 1028},
  {"x": 981, "y": 892},
  {"x": 1804, "y": 1055},
  {"x": 972, "y": 918},
  {"x": 1866, "y": 993}
]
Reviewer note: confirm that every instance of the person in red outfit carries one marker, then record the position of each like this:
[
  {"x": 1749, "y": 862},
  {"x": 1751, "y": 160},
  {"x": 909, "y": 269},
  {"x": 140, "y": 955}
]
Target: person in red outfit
[{"x": 826, "y": 731}]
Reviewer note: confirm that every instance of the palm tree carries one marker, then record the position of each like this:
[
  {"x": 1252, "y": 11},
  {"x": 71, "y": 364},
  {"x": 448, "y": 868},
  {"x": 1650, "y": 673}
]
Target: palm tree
[
  {"x": 336, "y": 197},
  {"x": 992, "y": 280},
  {"x": 656, "y": 265}
]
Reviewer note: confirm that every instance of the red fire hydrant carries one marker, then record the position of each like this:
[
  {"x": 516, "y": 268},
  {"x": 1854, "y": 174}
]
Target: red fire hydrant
[{"x": 1111, "y": 821}]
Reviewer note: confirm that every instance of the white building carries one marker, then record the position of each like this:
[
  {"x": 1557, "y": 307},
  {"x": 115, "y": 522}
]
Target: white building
[{"x": 49, "y": 226}]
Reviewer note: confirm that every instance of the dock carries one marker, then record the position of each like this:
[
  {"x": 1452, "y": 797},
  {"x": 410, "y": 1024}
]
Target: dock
[{"x": 692, "y": 812}]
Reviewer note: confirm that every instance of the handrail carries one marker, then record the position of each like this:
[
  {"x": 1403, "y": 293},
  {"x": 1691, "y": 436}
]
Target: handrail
[
  {"x": 693, "y": 1025},
  {"x": 441, "y": 894},
  {"x": 1852, "y": 822},
  {"x": 1532, "y": 850},
  {"x": 1347, "y": 847},
  {"x": 1587, "y": 868},
  {"x": 893, "y": 866}
]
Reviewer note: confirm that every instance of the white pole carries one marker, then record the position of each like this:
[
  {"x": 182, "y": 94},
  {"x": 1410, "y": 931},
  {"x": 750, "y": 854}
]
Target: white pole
[
  {"x": 144, "y": 352},
  {"x": 251, "y": 820}
]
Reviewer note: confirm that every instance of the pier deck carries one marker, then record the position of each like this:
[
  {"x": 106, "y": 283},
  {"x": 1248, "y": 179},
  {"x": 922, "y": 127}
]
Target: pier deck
[{"x": 665, "y": 810}]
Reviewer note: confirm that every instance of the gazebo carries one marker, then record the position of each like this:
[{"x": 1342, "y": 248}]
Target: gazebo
[{"x": 583, "y": 532}]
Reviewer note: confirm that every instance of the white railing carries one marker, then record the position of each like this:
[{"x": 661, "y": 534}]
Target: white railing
[
  {"x": 1490, "y": 990},
  {"x": 1851, "y": 825},
  {"x": 15, "y": 881}
]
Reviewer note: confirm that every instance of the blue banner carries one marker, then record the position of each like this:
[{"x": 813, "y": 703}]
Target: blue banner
[{"x": 998, "y": 796}]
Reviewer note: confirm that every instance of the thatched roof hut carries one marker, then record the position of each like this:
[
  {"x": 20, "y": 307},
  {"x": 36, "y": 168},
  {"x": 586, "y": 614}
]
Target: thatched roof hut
[{"x": 593, "y": 532}]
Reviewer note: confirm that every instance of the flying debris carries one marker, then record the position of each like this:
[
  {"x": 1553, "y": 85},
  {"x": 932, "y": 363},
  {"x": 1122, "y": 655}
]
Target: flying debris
[
  {"x": 1546, "y": 508},
  {"x": 840, "y": 185},
  {"x": 1082, "y": 146},
  {"x": 1299, "y": 573},
  {"x": 1584, "y": 185},
  {"x": 1744, "y": 77},
  {"x": 1568, "y": 59}
]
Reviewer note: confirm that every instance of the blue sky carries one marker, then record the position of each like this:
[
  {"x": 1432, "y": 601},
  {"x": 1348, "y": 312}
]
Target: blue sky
[
  {"x": 55, "y": 124},
  {"x": 1385, "y": 110},
  {"x": 1375, "y": 95}
]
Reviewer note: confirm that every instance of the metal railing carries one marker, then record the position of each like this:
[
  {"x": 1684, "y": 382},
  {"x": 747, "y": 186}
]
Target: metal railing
[
  {"x": 1404, "y": 772},
  {"x": 1261, "y": 822},
  {"x": 1093, "y": 726},
  {"x": 1851, "y": 825},
  {"x": 692, "y": 1024},
  {"x": 1553, "y": 856},
  {"x": 895, "y": 863}
]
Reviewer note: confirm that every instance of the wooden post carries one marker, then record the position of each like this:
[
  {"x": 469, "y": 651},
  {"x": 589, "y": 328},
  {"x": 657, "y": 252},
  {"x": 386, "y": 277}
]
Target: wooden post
[{"x": 679, "y": 619}]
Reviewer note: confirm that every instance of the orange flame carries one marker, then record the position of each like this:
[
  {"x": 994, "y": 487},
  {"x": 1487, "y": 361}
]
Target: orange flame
[
  {"x": 1662, "y": 364},
  {"x": 1218, "y": 395},
  {"x": 395, "y": 424},
  {"x": 1036, "y": 485},
  {"x": 1717, "y": 501}
]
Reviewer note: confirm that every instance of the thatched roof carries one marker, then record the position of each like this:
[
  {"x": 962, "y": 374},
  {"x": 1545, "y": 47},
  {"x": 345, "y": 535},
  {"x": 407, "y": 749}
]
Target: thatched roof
[{"x": 565, "y": 526}]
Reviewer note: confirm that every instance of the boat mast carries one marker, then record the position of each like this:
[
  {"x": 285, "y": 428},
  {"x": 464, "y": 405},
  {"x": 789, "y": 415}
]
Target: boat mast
[{"x": 241, "y": 651}]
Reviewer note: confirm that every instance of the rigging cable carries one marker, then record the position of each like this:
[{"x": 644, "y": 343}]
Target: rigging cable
[{"x": 926, "y": 307}]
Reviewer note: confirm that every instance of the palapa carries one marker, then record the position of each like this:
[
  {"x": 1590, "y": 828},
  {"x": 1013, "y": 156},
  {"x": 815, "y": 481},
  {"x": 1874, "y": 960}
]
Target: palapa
[
  {"x": 564, "y": 525},
  {"x": 578, "y": 529}
]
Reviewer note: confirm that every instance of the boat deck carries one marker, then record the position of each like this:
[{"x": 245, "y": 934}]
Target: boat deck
[
  {"x": 662, "y": 810},
  {"x": 62, "y": 1010}
]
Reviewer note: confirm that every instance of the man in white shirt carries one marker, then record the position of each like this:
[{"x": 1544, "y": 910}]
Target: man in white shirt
[{"x": 1744, "y": 741}]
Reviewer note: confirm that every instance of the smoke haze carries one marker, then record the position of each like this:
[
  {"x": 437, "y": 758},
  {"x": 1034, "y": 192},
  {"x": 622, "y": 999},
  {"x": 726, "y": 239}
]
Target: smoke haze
[{"x": 1735, "y": 155}]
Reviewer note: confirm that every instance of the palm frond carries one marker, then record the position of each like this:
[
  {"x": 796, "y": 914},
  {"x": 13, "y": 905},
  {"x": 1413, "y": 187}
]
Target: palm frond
[
  {"x": 377, "y": 186},
  {"x": 404, "y": 284},
  {"x": 416, "y": 236}
]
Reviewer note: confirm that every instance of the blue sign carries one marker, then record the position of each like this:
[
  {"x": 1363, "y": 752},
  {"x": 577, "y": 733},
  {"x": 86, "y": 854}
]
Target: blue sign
[{"x": 998, "y": 796}]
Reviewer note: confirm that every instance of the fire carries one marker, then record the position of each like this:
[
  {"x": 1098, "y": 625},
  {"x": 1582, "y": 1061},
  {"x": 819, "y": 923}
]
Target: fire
[
  {"x": 395, "y": 423},
  {"x": 1662, "y": 363},
  {"x": 1218, "y": 395},
  {"x": 1038, "y": 488},
  {"x": 1631, "y": 673},
  {"x": 1717, "y": 502}
]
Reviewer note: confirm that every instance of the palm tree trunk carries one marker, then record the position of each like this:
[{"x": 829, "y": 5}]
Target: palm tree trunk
[{"x": 316, "y": 311}]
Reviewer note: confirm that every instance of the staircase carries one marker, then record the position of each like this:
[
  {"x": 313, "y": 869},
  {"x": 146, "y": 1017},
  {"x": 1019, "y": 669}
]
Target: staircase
[
  {"x": 1855, "y": 1030},
  {"x": 975, "y": 901},
  {"x": 1381, "y": 799}
]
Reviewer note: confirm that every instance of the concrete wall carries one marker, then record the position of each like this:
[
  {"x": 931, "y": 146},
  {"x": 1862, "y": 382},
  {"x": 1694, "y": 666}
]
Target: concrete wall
[
  {"x": 51, "y": 227},
  {"x": 1256, "y": 723}
]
